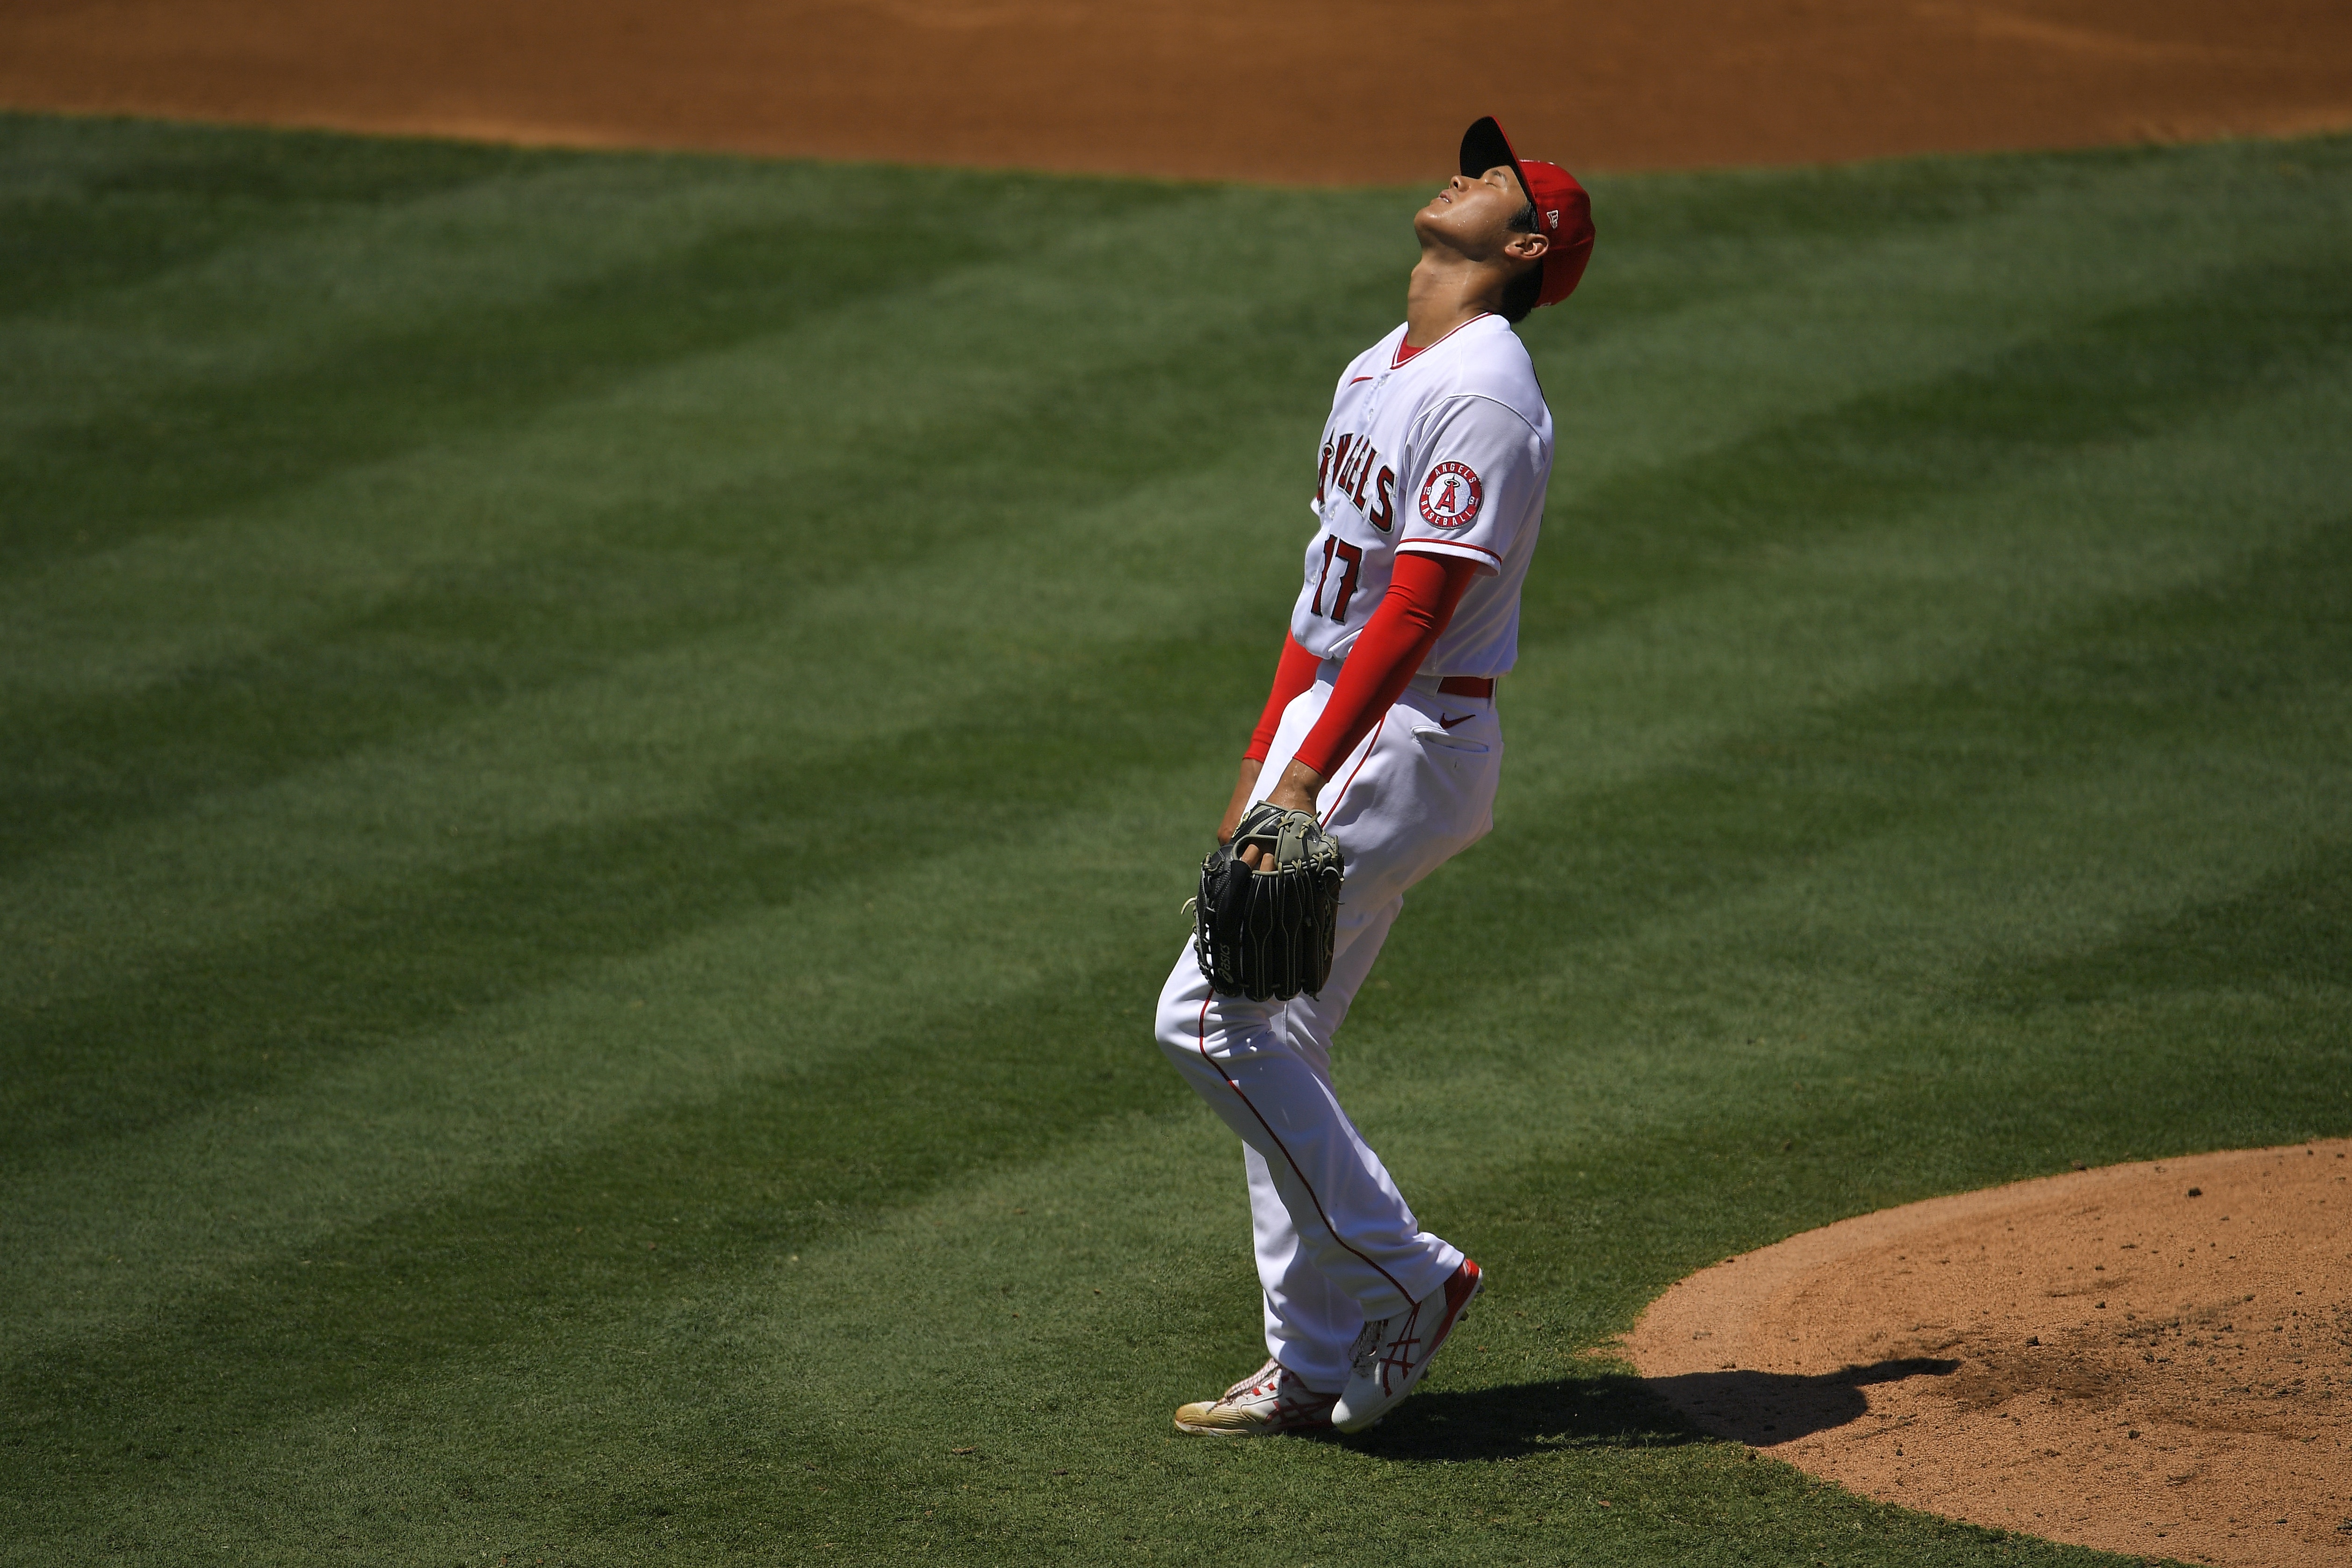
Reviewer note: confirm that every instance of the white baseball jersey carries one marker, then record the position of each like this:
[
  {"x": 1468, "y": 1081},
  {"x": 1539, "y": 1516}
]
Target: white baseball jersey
[{"x": 1447, "y": 454}]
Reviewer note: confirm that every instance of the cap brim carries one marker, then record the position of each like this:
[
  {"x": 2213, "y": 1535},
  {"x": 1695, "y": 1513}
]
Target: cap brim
[{"x": 1485, "y": 147}]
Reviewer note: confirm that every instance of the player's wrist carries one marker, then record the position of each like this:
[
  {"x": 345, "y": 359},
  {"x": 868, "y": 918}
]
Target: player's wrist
[{"x": 1296, "y": 788}]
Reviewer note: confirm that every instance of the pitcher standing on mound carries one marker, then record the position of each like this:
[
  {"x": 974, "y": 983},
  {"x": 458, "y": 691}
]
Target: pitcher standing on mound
[{"x": 1428, "y": 496}]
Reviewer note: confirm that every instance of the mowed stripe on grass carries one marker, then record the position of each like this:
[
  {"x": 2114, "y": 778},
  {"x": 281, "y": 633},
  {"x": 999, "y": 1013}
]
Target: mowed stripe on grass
[{"x": 552, "y": 933}]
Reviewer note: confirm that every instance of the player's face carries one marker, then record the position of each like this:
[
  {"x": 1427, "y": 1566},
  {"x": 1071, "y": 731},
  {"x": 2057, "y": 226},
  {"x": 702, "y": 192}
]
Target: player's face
[{"x": 1474, "y": 216}]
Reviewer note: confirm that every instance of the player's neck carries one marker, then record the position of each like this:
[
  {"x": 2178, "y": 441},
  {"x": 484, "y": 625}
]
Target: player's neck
[{"x": 1445, "y": 291}]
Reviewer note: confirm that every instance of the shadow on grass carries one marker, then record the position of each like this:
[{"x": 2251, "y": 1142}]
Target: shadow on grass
[{"x": 1614, "y": 1411}]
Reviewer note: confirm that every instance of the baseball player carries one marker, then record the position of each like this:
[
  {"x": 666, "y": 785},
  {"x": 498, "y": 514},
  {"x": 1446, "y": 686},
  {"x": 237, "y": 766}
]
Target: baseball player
[{"x": 1428, "y": 494}]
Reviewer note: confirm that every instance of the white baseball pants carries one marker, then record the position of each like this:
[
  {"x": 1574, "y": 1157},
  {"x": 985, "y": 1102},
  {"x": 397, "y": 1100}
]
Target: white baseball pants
[{"x": 1336, "y": 1242}]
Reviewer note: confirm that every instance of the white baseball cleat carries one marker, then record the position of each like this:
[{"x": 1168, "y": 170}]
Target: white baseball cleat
[
  {"x": 1267, "y": 1401},
  {"x": 1391, "y": 1354}
]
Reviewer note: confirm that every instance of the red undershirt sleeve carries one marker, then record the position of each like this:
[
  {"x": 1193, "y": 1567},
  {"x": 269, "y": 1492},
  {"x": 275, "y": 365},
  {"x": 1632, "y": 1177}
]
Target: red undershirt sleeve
[
  {"x": 1423, "y": 593},
  {"x": 1294, "y": 675}
]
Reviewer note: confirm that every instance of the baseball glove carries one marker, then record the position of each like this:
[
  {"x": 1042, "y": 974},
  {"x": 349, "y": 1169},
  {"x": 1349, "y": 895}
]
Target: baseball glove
[{"x": 1267, "y": 934}]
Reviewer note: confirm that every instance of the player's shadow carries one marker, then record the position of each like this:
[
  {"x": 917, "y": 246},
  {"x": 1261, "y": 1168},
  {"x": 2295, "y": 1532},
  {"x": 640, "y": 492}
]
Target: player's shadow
[{"x": 1608, "y": 1410}]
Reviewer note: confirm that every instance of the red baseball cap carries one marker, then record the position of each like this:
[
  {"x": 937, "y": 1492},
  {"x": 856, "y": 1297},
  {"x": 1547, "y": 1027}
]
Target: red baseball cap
[{"x": 1563, "y": 212}]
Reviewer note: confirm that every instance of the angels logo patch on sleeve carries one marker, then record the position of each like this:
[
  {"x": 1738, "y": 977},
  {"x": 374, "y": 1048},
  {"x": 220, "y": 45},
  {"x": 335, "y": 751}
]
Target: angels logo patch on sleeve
[{"x": 1450, "y": 496}]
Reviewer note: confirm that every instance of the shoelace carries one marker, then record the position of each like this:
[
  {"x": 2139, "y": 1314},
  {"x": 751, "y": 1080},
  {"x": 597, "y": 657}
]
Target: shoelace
[
  {"x": 1302, "y": 1401},
  {"x": 1265, "y": 1380}
]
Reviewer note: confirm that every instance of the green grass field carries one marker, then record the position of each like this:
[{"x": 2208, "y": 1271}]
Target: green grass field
[{"x": 601, "y": 754}]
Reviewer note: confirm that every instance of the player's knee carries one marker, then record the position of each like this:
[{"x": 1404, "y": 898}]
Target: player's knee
[
  {"x": 1180, "y": 1026},
  {"x": 1200, "y": 1031},
  {"x": 1195, "y": 1026},
  {"x": 1186, "y": 1009}
]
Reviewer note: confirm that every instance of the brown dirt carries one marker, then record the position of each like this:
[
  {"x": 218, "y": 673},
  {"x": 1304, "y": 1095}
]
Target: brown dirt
[
  {"x": 2098, "y": 1357},
  {"x": 1312, "y": 91}
]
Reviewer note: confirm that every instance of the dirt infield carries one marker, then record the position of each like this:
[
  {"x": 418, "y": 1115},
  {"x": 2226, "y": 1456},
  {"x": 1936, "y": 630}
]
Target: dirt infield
[
  {"x": 2153, "y": 1359},
  {"x": 1315, "y": 91}
]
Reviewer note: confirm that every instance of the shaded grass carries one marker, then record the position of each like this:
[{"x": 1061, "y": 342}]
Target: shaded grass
[
  {"x": 2086, "y": 387},
  {"x": 504, "y": 1067},
  {"x": 641, "y": 579},
  {"x": 235, "y": 1017},
  {"x": 88, "y": 209},
  {"x": 2292, "y": 932}
]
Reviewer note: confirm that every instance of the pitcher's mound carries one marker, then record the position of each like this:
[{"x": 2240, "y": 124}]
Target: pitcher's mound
[{"x": 2152, "y": 1359}]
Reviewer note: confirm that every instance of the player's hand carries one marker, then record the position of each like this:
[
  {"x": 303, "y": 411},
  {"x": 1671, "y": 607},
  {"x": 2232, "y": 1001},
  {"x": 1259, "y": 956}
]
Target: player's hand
[{"x": 1294, "y": 791}]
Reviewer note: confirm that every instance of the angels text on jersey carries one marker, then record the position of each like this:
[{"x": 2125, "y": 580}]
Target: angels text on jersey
[{"x": 1444, "y": 453}]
